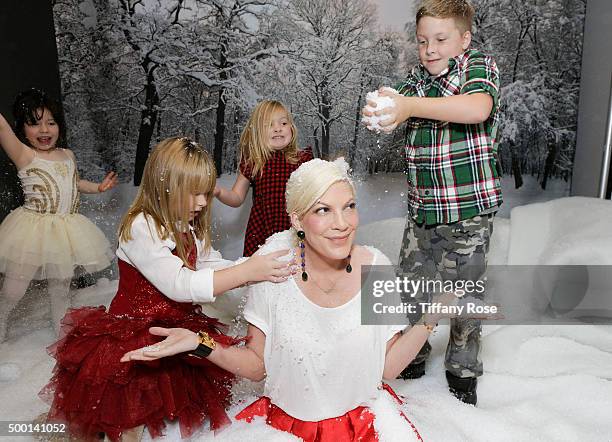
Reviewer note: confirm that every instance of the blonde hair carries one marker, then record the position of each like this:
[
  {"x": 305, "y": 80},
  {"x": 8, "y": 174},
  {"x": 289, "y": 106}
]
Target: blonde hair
[
  {"x": 459, "y": 10},
  {"x": 176, "y": 169},
  {"x": 311, "y": 180},
  {"x": 254, "y": 146}
]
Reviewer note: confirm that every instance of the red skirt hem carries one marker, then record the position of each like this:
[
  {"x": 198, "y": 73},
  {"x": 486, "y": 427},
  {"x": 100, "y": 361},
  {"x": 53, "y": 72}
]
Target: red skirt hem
[{"x": 356, "y": 425}]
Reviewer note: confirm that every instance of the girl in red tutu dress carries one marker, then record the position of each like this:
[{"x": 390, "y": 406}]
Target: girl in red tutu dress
[{"x": 166, "y": 268}]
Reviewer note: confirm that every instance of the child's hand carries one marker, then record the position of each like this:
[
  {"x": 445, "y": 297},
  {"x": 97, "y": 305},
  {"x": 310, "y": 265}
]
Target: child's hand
[
  {"x": 179, "y": 340},
  {"x": 269, "y": 268},
  {"x": 109, "y": 181},
  {"x": 388, "y": 116}
]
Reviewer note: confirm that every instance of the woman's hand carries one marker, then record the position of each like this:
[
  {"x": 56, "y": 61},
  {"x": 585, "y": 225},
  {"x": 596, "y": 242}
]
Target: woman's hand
[
  {"x": 109, "y": 181},
  {"x": 179, "y": 340},
  {"x": 269, "y": 267}
]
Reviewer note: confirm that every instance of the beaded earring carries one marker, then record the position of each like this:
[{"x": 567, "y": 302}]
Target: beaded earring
[{"x": 301, "y": 235}]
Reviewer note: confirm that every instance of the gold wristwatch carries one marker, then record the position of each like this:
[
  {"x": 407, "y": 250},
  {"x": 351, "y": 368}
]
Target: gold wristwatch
[{"x": 206, "y": 345}]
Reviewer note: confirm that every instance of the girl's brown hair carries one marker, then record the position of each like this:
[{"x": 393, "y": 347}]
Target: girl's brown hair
[
  {"x": 176, "y": 169},
  {"x": 254, "y": 148}
]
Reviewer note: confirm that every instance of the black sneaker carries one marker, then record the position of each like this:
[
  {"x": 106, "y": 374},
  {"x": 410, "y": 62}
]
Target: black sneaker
[
  {"x": 463, "y": 389},
  {"x": 413, "y": 371}
]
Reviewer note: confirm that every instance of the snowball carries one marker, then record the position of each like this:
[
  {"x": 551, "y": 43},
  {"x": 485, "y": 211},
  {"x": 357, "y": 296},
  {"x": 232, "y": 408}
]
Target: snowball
[{"x": 382, "y": 102}]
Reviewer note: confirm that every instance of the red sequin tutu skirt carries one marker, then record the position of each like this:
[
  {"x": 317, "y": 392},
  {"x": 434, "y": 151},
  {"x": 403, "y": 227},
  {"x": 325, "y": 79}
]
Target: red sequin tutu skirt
[
  {"x": 356, "y": 425},
  {"x": 95, "y": 393}
]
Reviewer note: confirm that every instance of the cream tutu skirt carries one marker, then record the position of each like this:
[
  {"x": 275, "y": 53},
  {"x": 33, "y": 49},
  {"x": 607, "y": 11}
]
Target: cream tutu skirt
[{"x": 49, "y": 246}]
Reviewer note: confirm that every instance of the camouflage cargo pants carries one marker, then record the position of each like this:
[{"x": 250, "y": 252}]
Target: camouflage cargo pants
[{"x": 455, "y": 251}]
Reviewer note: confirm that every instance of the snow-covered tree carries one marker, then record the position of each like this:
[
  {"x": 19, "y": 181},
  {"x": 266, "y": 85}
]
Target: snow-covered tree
[
  {"x": 538, "y": 47},
  {"x": 329, "y": 41}
]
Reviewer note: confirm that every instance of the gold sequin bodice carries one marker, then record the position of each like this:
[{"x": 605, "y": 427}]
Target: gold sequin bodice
[{"x": 50, "y": 187}]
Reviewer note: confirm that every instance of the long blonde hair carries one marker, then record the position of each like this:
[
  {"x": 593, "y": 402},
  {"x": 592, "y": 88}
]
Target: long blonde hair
[
  {"x": 177, "y": 168},
  {"x": 254, "y": 148}
]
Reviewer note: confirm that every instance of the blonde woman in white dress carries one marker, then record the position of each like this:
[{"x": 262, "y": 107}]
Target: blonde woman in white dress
[{"x": 46, "y": 238}]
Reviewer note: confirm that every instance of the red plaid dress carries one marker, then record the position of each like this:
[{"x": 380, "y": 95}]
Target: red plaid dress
[{"x": 269, "y": 213}]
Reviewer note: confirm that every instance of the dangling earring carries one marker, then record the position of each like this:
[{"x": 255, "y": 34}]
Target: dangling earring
[
  {"x": 301, "y": 235},
  {"x": 349, "y": 268}
]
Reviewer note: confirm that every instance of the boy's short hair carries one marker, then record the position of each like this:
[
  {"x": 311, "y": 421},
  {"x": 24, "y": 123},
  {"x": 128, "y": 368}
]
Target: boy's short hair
[{"x": 461, "y": 10}]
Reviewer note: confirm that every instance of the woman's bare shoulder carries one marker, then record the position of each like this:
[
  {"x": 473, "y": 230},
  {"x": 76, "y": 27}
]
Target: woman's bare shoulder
[{"x": 369, "y": 255}]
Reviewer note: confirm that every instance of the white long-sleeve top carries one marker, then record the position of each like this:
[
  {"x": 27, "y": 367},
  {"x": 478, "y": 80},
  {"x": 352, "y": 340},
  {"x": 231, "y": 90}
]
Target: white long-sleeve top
[{"x": 153, "y": 257}]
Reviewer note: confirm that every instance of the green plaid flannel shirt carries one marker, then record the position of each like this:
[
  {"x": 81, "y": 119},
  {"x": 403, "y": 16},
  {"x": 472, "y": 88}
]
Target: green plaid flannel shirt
[{"x": 452, "y": 173}]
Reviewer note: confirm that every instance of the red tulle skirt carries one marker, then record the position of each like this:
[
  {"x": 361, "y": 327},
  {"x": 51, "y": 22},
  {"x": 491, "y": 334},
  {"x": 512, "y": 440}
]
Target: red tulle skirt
[
  {"x": 356, "y": 425},
  {"x": 95, "y": 393}
]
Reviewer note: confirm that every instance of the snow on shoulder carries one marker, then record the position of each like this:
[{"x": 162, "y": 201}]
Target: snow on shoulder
[{"x": 287, "y": 239}]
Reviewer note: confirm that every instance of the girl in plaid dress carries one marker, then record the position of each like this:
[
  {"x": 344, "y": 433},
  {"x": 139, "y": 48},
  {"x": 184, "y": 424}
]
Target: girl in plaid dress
[{"x": 268, "y": 155}]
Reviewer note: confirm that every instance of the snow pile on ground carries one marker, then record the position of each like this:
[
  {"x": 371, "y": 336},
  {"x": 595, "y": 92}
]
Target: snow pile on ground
[{"x": 570, "y": 231}]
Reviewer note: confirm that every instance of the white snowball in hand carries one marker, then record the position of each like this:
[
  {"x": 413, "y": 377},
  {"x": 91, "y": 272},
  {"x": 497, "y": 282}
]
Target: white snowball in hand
[{"x": 382, "y": 102}]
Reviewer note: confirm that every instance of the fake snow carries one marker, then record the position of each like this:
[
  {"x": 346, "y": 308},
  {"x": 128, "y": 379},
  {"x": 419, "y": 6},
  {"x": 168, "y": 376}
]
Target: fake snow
[{"x": 382, "y": 102}]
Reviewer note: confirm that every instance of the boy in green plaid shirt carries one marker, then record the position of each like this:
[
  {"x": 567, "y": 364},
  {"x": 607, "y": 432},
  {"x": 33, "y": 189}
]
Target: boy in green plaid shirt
[{"x": 450, "y": 102}]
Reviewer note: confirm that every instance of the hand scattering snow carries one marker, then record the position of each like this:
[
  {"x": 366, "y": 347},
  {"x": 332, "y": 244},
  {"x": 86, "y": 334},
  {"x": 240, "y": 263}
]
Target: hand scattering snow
[{"x": 382, "y": 102}]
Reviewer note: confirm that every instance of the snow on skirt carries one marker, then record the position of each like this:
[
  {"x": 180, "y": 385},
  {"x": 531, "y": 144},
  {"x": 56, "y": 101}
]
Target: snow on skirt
[
  {"x": 50, "y": 246},
  {"x": 93, "y": 392},
  {"x": 357, "y": 425}
]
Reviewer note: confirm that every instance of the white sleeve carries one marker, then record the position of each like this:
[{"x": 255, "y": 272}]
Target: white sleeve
[
  {"x": 154, "y": 259},
  {"x": 211, "y": 259},
  {"x": 257, "y": 308}
]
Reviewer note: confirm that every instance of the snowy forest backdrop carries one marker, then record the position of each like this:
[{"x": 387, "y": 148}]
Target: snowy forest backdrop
[{"x": 137, "y": 71}]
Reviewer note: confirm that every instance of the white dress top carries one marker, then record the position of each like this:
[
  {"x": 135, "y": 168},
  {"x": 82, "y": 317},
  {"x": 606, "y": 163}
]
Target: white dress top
[
  {"x": 50, "y": 186},
  {"x": 153, "y": 257},
  {"x": 320, "y": 362},
  {"x": 47, "y": 238}
]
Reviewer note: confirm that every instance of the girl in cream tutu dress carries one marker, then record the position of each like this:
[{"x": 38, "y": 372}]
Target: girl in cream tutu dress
[{"x": 46, "y": 238}]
